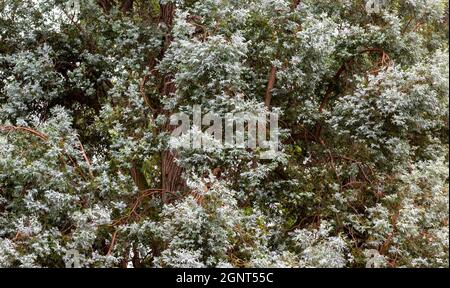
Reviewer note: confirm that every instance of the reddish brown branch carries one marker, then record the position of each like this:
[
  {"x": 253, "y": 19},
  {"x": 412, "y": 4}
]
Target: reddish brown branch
[
  {"x": 270, "y": 85},
  {"x": 86, "y": 158}
]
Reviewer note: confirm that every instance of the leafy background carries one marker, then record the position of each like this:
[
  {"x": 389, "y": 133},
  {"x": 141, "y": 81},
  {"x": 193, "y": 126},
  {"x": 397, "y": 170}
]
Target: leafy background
[{"x": 85, "y": 161}]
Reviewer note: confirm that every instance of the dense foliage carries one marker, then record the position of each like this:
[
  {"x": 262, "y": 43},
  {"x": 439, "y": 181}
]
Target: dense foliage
[{"x": 85, "y": 158}]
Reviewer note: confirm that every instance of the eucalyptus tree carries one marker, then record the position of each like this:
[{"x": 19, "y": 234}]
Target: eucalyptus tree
[{"x": 360, "y": 177}]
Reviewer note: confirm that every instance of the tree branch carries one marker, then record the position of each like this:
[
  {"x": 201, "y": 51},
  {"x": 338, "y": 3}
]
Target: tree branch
[
  {"x": 270, "y": 85},
  {"x": 127, "y": 6}
]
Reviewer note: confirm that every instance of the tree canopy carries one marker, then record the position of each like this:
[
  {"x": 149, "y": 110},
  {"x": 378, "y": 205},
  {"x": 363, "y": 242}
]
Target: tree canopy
[{"x": 86, "y": 162}]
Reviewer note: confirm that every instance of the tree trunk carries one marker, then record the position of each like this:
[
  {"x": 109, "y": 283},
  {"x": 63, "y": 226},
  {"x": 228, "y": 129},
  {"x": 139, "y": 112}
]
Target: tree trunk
[{"x": 171, "y": 172}]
